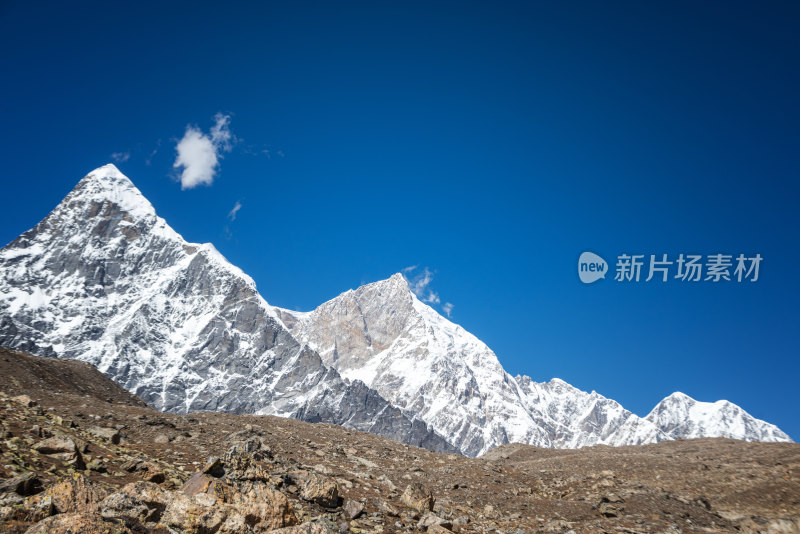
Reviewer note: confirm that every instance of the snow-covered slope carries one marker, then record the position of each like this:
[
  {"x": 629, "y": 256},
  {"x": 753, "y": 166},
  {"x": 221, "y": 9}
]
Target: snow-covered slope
[
  {"x": 105, "y": 280},
  {"x": 580, "y": 419},
  {"x": 680, "y": 416},
  {"x": 432, "y": 368}
]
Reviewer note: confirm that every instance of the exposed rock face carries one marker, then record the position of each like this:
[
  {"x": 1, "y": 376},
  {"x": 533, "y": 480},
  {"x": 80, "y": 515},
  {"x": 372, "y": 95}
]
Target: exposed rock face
[{"x": 105, "y": 280}]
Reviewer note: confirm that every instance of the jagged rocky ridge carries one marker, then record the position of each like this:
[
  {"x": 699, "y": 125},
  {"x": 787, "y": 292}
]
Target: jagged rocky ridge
[{"x": 103, "y": 279}]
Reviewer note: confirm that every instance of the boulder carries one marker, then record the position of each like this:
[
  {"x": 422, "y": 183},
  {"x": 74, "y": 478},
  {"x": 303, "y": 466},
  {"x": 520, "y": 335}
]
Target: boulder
[
  {"x": 352, "y": 509},
  {"x": 109, "y": 434},
  {"x": 258, "y": 508},
  {"x": 24, "y": 400},
  {"x": 267, "y": 508},
  {"x": 38, "y": 508},
  {"x": 316, "y": 488},
  {"x": 27, "y": 484},
  {"x": 76, "y": 494},
  {"x": 56, "y": 445},
  {"x": 418, "y": 497},
  {"x": 136, "y": 503},
  {"x": 65, "y": 448},
  {"x": 428, "y": 520}
]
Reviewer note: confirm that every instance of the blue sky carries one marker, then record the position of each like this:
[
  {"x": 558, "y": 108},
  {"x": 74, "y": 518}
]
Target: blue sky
[{"x": 490, "y": 143}]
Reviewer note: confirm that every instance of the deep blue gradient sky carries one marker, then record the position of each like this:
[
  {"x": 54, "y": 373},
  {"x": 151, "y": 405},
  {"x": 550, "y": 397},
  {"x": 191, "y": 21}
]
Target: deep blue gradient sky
[{"x": 492, "y": 143}]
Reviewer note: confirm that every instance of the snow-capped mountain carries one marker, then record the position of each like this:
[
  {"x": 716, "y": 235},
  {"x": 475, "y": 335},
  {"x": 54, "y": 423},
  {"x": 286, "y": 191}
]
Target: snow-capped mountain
[
  {"x": 103, "y": 279},
  {"x": 681, "y": 417},
  {"x": 383, "y": 335}
]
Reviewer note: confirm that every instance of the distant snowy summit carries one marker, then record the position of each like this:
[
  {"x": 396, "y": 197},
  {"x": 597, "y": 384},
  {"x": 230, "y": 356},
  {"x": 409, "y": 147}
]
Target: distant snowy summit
[
  {"x": 681, "y": 417},
  {"x": 105, "y": 280}
]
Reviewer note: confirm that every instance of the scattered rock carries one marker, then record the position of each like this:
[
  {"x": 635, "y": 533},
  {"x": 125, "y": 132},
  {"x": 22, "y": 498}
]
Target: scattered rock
[
  {"x": 213, "y": 467},
  {"x": 318, "y": 489},
  {"x": 137, "y": 503},
  {"x": 610, "y": 505},
  {"x": 78, "y": 524},
  {"x": 24, "y": 400},
  {"x": 320, "y": 526},
  {"x": 197, "y": 483},
  {"x": 227, "y": 509},
  {"x": 75, "y": 494},
  {"x": 56, "y": 445},
  {"x": 418, "y": 497},
  {"x": 39, "y": 508},
  {"x": 27, "y": 484},
  {"x": 110, "y": 434},
  {"x": 430, "y": 519},
  {"x": 387, "y": 508},
  {"x": 352, "y": 509}
]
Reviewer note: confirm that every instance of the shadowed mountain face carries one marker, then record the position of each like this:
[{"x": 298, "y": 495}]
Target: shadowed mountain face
[{"x": 103, "y": 279}]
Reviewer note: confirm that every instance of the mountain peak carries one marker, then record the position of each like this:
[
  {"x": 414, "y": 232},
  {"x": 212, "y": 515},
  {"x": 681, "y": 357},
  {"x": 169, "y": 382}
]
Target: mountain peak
[
  {"x": 679, "y": 396},
  {"x": 109, "y": 184},
  {"x": 394, "y": 286},
  {"x": 108, "y": 176},
  {"x": 681, "y": 416}
]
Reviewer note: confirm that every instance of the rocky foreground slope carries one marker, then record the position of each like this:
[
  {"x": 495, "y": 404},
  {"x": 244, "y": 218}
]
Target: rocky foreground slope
[{"x": 80, "y": 454}]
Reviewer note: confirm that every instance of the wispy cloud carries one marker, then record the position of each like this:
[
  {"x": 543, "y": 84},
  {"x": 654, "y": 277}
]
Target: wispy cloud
[
  {"x": 121, "y": 157},
  {"x": 152, "y": 154},
  {"x": 447, "y": 307},
  {"x": 234, "y": 211},
  {"x": 419, "y": 282},
  {"x": 199, "y": 153}
]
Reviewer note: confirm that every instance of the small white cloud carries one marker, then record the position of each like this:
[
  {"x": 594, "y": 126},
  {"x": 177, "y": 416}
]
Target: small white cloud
[
  {"x": 234, "y": 211},
  {"x": 447, "y": 307},
  {"x": 121, "y": 157},
  {"x": 409, "y": 268},
  {"x": 199, "y": 153}
]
